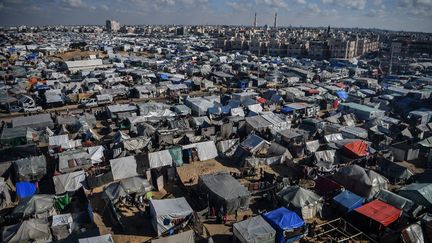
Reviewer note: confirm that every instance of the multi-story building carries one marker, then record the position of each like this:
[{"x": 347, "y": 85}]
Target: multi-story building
[
  {"x": 343, "y": 48},
  {"x": 318, "y": 49},
  {"x": 112, "y": 26}
]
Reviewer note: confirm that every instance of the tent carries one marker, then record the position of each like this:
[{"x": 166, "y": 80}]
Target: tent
[
  {"x": 176, "y": 155},
  {"x": 32, "y": 230},
  {"x": 115, "y": 191},
  {"x": 394, "y": 171},
  {"x": 168, "y": 212},
  {"x": 160, "y": 159},
  {"x": 124, "y": 167},
  {"x": 420, "y": 193},
  {"x": 97, "y": 239},
  {"x": 342, "y": 94},
  {"x": 301, "y": 200},
  {"x": 224, "y": 190},
  {"x": 183, "y": 237},
  {"x": 326, "y": 160},
  {"x": 206, "y": 150},
  {"x": 25, "y": 189},
  {"x": 282, "y": 220},
  {"x": 379, "y": 211},
  {"x": 37, "y": 204},
  {"x": 348, "y": 201},
  {"x": 365, "y": 183},
  {"x": 405, "y": 204},
  {"x": 73, "y": 160},
  {"x": 69, "y": 182},
  {"x": 96, "y": 154},
  {"x": 356, "y": 149},
  {"x": 31, "y": 168},
  {"x": 254, "y": 230}
]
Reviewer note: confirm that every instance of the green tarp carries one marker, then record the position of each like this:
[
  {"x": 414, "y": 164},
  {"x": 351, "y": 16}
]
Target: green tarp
[
  {"x": 62, "y": 202},
  {"x": 177, "y": 155}
]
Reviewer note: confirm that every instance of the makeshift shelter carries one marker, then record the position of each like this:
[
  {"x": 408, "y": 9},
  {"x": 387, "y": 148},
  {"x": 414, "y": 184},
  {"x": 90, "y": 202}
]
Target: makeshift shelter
[
  {"x": 69, "y": 182},
  {"x": 31, "y": 168},
  {"x": 160, "y": 159},
  {"x": 348, "y": 201},
  {"x": 15, "y": 136},
  {"x": 183, "y": 237},
  {"x": 326, "y": 160},
  {"x": 97, "y": 239},
  {"x": 115, "y": 191},
  {"x": 326, "y": 186},
  {"x": 286, "y": 223},
  {"x": 356, "y": 149},
  {"x": 406, "y": 205},
  {"x": 124, "y": 167},
  {"x": 96, "y": 154},
  {"x": 206, "y": 150},
  {"x": 254, "y": 230},
  {"x": 168, "y": 212},
  {"x": 224, "y": 190},
  {"x": 365, "y": 183},
  {"x": 394, "y": 171},
  {"x": 420, "y": 193},
  {"x": 74, "y": 160},
  {"x": 380, "y": 212},
  {"x": 301, "y": 200},
  {"x": 32, "y": 230},
  {"x": 39, "y": 204},
  {"x": 40, "y": 121}
]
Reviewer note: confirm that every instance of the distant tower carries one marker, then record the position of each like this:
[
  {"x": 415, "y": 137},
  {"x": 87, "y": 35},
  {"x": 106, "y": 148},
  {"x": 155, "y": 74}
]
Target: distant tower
[
  {"x": 275, "y": 21},
  {"x": 255, "y": 20}
]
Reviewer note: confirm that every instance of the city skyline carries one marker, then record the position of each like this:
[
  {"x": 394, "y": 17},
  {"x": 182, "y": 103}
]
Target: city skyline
[{"x": 406, "y": 15}]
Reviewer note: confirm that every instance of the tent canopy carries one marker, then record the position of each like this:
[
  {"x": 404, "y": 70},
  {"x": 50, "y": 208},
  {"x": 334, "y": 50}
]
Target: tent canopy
[
  {"x": 380, "y": 212},
  {"x": 348, "y": 200},
  {"x": 25, "y": 189},
  {"x": 165, "y": 212},
  {"x": 126, "y": 186},
  {"x": 254, "y": 230},
  {"x": 28, "y": 231},
  {"x": 420, "y": 193},
  {"x": 124, "y": 167},
  {"x": 183, "y": 237},
  {"x": 283, "y": 219},
  {"x": 298, "y": 197},
  {"x": 357, "y": 148},
  {"x": 37, "y": 204},
  {"x": 31, "y": 168},
  {"x": 69, "y": 182}
]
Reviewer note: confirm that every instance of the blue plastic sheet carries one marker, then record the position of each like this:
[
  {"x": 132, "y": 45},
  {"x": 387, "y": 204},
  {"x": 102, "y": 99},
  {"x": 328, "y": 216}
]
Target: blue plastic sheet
[
  {"x": 25, "y": 189},
  {"x": 342, "y": 94},
  {"x": 348, "y": 200},
  {"x": 282, "y": 219}
]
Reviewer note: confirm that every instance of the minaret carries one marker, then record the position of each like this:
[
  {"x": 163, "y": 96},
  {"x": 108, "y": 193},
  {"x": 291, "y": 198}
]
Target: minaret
[
  {"x": 255, "y": 20},
  {"x": 275, "y": 21}
]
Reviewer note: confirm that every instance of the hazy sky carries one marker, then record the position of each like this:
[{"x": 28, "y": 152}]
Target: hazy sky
[{"x": 410, "y": 15}]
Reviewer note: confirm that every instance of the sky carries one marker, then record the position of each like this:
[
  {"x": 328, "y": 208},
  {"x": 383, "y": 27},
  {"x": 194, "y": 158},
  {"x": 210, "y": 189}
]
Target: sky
[{"x": 408, "y": 15}]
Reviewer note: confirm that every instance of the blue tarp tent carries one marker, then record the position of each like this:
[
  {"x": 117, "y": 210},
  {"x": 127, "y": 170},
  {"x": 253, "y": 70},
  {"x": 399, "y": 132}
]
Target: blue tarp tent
[
  {"x": 342, "y": 94},
  {"x": 286, "y": 109},
  {"x": 348, "y": 201},
  {"x": 25, "y": 189},
  {"x": 282, "y": 219},
  {"x": 164, "y": 76}
]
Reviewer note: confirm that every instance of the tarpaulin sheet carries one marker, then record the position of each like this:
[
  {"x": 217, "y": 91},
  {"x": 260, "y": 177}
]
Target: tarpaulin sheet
[
  {"x": 31, "y": 168},
  {"x": 254, "y": 230},
  {"x": 124, "y": 167},
  {"x": 420, "y": 193},
  {"x": 183, "y": 237},
  {"x": 59, "y": 140},
  {"x": 326, "y": 185},
  {"x": 160, "y": 159},
  {"x": 298, "y": 197},
  {"x": 206, "y": 150},
  {"x": 165, "y": 212},
  {"x": 283, "y": 219},
  {"x": 69, "y": 182},
  {"x": 136, "y": 143},
  {"x": 342, "y": 94},
  {"x": 312, "y": 146},
  {"x": 73, "y": 160},
  {"x": 333, "y": 137},
  {"x": 357, "y": 148},
  {"x": 348, "y": 200},
  {"x": 25, "y": 189},
  {"x": 226, "y": 191},
  {"x": 126, "y": 186},
  {"x": 37, "y": 204},
  {"x": 96, "y": 154},
  {"x": 32, "y": 230},
  {"x": 380, "y": 212},
  {"x": 97, "y": 239}
]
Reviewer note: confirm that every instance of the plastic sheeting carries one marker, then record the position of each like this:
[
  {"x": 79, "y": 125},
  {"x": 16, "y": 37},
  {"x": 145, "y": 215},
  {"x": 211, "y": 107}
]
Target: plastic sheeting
[
  {"x": 5, "y": 199},
  {"x": 254, "y": 230},
  {"x": 183, "y": 237},
  {"x": 176, "y": 155},
  {"x": 115, "y": 191},
  {"x": 96, "y": 154},
  {"x": 333, "y": 137},
  {"x": 420, "y": 193},
  {"x": 25, "y": 189},
  {"x": 73, "y": 160},
  {"x": 124, "y": 167},
  {"x": 298, "y": 197},
  {"x": 226, "y": 191},
  {"x": 348, "y": 200},
  {"x": 397, "y": 201},
  {"x": 160, "y": 159},
  {"x": 283, "y": 219},
  {"x": 357, "y": 148},
  {"x": 227, "y": 147},
  {"x": 31, "y": 168},
  {"x": 312, "y": 146},
  {"x": 206, "y": 150},
  {"x": 380, "y": 212},
  {"x": 59, "y": 140},
  {"x": 165, "y": 212},
  {"x": 37, "y": 204},
  {"x": 69, "y": 182},
  {"x": 137, "y": 143},
  {"x": 413, "y": 234},
  {"x": 32, "y": 230}
]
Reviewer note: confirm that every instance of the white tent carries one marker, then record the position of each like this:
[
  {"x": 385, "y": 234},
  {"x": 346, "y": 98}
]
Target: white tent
[
  {"x": 96, "y": 154},
  {"x": 254, "y": 230},
  {"x": 32, "y": 230},
  {"x": 165, "y": 212},
  {"x": 206, "y": 150},
  {"x": 97, "y": 239},
  {"x": 160, "y": 159},
  {"x": 69, "y": 182},
  {"x": 124, "y": 167}
]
